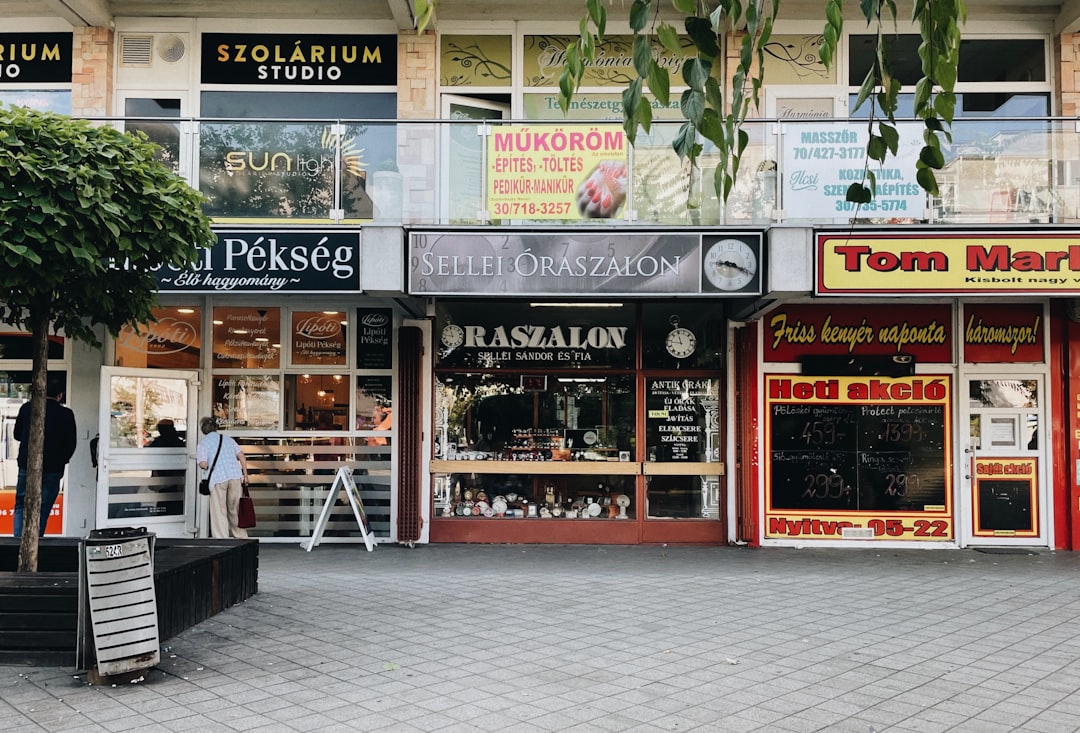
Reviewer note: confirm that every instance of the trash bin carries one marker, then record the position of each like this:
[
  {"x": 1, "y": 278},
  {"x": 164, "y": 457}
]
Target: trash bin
[{"x": 117, "y": 601}]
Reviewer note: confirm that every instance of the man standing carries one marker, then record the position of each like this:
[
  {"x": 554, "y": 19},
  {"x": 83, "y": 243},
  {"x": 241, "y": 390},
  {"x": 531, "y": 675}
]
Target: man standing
[{"x": 59, "y": 447}]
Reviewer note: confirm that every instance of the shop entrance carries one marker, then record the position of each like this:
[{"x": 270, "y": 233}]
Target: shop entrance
[
  {"x": 1003, "y": 500},
  {"x": 146, "y": 450}
]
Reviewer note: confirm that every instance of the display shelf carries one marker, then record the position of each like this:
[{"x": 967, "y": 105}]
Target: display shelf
[
  {"x": 540, "y": 468},
  {"x": 680, "y": 468}
]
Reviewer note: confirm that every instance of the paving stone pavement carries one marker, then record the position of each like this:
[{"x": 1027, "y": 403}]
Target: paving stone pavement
[{"x": 579, "y": 638}]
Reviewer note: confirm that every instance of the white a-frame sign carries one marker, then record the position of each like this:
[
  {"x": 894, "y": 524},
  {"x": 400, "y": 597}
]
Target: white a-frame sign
[{"x": 343, "y": 480}]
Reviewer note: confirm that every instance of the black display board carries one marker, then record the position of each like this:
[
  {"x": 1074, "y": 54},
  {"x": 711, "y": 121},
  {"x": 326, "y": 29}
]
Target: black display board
[
  {"x": 857, "y": 457},
  {"x": 676, "y": 426},
  {"x": 374, "y": 338},
  {"x": 1005, "y": 505}
]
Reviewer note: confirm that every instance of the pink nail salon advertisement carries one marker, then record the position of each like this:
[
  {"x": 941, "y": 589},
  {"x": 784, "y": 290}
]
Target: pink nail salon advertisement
[{"x": 567, "y": 172}]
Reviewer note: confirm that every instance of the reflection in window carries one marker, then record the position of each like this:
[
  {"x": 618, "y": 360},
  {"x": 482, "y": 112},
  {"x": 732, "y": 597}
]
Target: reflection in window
[
  {"x": 247, "y": 401},
  {"x": 519, "y": 418},
  {"x": 161, "y": 132},
  {"x": 1003, "y": 393},
  {"x": 374, "y": 403},
  {"x": 247, "y": 338},
  {"x": 683, "y": 497},
  {"x": 173, "y": 341}
]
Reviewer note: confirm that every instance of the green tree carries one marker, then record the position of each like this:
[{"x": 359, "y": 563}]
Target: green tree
[
  {"x": 712, "y": 116},
  {"x": 87, "y": 216}
]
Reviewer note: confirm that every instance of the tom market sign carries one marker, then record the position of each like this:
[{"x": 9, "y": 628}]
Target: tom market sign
[{"x": 1034, "y": 262}]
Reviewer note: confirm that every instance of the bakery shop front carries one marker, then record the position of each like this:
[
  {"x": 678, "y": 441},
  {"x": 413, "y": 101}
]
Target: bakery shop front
[{"x": 580, "y": 382}]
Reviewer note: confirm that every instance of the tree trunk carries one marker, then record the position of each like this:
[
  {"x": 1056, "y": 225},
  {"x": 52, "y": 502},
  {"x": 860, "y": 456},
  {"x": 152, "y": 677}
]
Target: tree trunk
[{"x": 39, "y": 338}]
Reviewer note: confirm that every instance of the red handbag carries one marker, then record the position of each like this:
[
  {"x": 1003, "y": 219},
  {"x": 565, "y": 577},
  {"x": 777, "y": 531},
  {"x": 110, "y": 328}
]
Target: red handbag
[{"x": 245, "y": 511}]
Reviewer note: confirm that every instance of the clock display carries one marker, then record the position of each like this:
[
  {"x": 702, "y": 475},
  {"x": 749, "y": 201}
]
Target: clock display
[
  {"x": 730, "y": 264},
  {"x": 453, "y": 336},
  {"x": 680, "y": 343}
]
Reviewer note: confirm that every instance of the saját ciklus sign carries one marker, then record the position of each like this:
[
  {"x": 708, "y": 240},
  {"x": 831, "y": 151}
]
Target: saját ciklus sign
[
  {"x": 261, "y": 261},
  {"x": 585, "y": 263},
  {"x": 35, "y": 58},
  {"x": 297, "y": 58},
  {"x": 952, "y": 263}
]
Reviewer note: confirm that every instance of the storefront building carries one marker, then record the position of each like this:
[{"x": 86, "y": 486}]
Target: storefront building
[{"x": 511, "y": 325}]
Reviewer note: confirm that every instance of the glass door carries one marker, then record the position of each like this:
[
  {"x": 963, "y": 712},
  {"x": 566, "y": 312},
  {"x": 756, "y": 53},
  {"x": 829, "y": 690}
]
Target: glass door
[
  {"x": 1004, "y": 500},
  {"x": 463, "y": 154},
  {"x": 146, "y": 450}
]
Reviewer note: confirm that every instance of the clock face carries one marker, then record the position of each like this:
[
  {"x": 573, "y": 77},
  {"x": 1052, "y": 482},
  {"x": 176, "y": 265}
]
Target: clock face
[
  {"x": 680, "y": 343},
  {"x": 453, "y": 336},
  {"x": 730, "y": 264}
]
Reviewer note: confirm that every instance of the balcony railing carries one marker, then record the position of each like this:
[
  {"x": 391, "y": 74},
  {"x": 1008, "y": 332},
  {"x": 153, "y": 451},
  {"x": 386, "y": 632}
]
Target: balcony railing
[{"x": 488, "y": 173}]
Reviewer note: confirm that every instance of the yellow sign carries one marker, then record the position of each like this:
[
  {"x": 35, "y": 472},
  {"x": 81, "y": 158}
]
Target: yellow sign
[
  {"x": 556, "y": 172},
  {"x": 960, "y": 263}
]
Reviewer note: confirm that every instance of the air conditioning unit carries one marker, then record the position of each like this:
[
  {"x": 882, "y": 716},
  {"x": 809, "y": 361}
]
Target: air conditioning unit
[{"x": 146, "y": 50}]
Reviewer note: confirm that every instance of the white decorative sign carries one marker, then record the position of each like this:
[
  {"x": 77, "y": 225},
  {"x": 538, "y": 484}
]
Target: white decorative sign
[{"x": 820, "y": 162}]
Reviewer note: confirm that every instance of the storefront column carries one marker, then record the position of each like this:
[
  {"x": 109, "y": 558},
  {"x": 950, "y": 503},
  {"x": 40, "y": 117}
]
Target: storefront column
[{"x": 91, "y": 72}]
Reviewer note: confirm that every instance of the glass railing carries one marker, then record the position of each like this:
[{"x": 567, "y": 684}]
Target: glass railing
[{"x": 497, "y": 173}]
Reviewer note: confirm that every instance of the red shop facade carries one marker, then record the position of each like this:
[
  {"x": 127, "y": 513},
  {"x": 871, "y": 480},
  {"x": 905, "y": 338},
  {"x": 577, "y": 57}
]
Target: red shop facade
[{"x": 926, "y": 395}]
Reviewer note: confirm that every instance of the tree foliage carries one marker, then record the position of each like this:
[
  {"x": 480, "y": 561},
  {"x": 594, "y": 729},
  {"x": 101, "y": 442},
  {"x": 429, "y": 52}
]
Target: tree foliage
[
  {"x": 87, "y": 217},
  {"x": 717, "y": 117}
]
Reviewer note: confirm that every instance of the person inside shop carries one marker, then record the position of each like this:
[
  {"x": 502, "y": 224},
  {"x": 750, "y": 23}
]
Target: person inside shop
[
  {"x": 59, "y": 447},
  {"x": 223, "y": 460},
  {"x": 167, "y": 436}
]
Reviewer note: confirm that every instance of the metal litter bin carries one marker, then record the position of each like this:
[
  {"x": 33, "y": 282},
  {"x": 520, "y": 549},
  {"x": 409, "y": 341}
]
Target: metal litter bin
[{"x": 117, "y": 601}]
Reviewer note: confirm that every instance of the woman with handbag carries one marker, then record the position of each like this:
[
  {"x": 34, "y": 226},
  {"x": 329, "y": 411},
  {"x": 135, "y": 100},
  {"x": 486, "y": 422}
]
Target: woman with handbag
[{"x": 226, "y": 470}]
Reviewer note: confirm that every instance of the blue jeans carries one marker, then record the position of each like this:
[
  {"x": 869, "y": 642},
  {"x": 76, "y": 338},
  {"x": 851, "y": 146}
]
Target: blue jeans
[{"x": 50, "y": 489}]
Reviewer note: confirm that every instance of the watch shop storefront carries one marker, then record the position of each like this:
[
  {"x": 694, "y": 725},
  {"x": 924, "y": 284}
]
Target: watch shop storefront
[{"x": 578, "y": 394}]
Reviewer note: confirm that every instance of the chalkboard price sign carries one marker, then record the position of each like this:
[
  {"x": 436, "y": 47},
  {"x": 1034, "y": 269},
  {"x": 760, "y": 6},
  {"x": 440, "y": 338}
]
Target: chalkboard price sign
[{"x": 857, "y": 455}]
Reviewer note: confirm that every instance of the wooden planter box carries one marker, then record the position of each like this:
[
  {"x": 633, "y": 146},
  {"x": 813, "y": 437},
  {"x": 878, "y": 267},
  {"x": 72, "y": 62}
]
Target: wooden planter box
[{"x": 39, "y": 612}]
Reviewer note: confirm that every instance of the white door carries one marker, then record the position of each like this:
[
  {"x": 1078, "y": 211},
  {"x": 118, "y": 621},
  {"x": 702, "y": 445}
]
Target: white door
[
  {"x": 146, "y": 450},
  {"x": 1004, "y": 493}
]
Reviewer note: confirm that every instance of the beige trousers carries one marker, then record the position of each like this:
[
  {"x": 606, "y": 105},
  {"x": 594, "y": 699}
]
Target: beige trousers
[{"x": 224, "y": 498}]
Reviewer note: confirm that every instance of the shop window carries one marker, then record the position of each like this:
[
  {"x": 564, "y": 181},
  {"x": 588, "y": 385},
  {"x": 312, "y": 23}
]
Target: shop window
[
  {"x": 316, "y": 401},
  {"x": 44, "y": 100},
  {"x": 683, "y": 336},
  {"x": 247, "y": 401},
  {"x": 18, "y": 345},
  {"x": 374, "y": 402},
  {"x": 535, "y": 417},
  {"x": 997, "y": 60},
  {"x": 247, "y": 338},
  {"x": 166, "y": 135},
  {"x": 172, "y": 341},
  {"x": 318, "y": 337}
]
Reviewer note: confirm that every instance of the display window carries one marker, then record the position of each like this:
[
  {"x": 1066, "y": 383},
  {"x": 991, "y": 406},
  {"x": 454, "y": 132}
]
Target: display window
[
  {"x": 599, "y": 410},
  {"x": 246, "y": 338},
  {"x": 535, "y": 417},
  {"x": 172, "y": 341}
]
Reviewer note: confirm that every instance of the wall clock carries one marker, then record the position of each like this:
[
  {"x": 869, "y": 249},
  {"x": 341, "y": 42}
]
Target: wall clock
[
  {"x": 730, "y": 264},
  {"x": 680, "y": 342}
]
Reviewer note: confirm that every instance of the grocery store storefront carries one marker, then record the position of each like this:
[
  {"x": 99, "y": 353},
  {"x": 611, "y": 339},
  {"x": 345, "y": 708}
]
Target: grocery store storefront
[
  {"x": 927, "y": 411},
  {"x": 580, "y": 382}
]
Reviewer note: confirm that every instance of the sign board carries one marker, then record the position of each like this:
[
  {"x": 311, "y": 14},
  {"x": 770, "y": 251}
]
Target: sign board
[
  {"x": 858, "y": 458},
  {"x": 343, "y": 480},
  {"x": 613, "y": 263}
]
